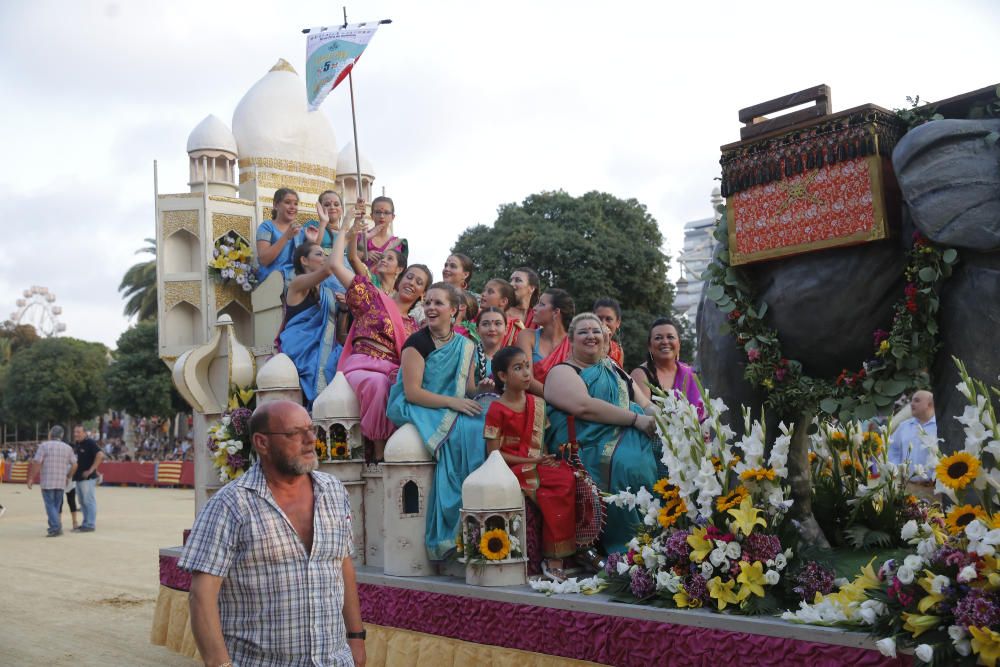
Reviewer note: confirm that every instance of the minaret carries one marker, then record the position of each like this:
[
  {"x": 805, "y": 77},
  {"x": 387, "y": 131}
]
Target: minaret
[{"x": 212, "y": 151}]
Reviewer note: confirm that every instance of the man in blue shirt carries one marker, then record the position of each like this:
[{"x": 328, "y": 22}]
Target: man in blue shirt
[{"x": 906, "y": 443}]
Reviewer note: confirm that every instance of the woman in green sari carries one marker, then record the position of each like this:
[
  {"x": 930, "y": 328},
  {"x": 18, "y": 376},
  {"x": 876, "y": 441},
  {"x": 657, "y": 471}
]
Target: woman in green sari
[{"x": 614, "y": 433}]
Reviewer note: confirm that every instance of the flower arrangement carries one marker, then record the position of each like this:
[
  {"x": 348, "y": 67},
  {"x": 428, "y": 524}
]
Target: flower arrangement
[
  {"x": 334, "y": 449},
  {"x": 858, "y": 496},
  {"x": 491, "y": 542},
  {"x": 229, "y": 443},
  {"x": 232, "y": 259},
  {"x": 710, "y": 533},
  {"x": 899, "y": 358},
  {"x": 943, "y": 598}
]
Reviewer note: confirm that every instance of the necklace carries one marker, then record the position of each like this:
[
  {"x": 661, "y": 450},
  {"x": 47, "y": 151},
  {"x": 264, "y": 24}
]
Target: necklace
[{"x": 445, "y": 338}]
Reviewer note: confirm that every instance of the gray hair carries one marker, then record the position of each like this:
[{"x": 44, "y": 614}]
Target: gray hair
[{"x": 57, "y": 432}]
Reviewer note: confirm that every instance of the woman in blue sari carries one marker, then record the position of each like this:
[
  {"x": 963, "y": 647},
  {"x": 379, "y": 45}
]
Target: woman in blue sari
[
  {"x": 431, "y": 393},
  {"x": 309, "y": 336},
  {"x": 614, "y": 434}
]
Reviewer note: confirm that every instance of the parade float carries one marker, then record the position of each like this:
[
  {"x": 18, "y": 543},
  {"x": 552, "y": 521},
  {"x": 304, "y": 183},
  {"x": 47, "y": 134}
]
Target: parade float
[{"x": 803, "y": 276}]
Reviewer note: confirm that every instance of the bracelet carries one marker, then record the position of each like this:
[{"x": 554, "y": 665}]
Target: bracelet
[{"x": 635, "y": 418}]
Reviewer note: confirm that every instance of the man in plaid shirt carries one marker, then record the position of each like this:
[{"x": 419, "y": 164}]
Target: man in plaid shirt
[
  {"x": 57, "y": 463},
  {"x": 273, "y": 580}
]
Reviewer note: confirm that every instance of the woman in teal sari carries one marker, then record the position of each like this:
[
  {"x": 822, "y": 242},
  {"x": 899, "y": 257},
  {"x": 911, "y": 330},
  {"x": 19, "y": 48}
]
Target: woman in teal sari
[
  {"x": 309, "y": 334},
  {"x": 614, "y": 434},
  {"x": 430, "y": 392}
]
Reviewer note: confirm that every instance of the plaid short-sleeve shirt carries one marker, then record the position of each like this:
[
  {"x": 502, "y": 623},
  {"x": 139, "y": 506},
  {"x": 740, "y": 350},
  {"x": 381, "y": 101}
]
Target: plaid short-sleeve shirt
[
  {"x": 278, "y": 604},
  {"x": 56, "y": 458}
]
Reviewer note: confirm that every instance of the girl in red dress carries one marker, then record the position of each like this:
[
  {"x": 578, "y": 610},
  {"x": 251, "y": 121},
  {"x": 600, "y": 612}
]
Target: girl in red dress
[{"x": 515, "y": 424}]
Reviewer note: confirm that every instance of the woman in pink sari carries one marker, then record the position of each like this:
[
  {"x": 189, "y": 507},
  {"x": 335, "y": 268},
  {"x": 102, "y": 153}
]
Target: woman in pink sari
[{"x": 382, "y": 323}]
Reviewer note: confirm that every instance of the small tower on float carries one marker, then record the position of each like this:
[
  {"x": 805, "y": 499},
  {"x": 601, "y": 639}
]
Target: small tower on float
[
  {"x": 493, "y": 515},
  {"x": 408, "y": 475}
]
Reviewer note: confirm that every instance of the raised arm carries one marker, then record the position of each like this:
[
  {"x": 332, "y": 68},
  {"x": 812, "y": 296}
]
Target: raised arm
[
  {"x": 352, "y": 254},
  {"x": 336, "y": 262}
]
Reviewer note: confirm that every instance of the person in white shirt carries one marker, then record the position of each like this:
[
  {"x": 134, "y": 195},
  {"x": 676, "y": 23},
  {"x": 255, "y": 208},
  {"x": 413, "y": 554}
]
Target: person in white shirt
[{"x": 907, "y": 442}]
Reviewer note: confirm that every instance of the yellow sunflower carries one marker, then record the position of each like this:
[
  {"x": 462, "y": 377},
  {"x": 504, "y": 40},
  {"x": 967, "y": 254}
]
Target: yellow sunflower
[
  {"x": 340, "y": 450},
  {"x": 812, "y": 458},
  {"x": 669, "y": 514},
  {"x": 495, "y": 544},
  {"x": 848, "y": 464},
  {"x": 962, "y": 515},
  {"x": 320, "y": 449},
  {"x": 957, "y": 470},
  {"x": 873, "y": 441},
  {"x": 733, "y": 499},
  {"x": 664, "y": 488},
  {"x": 995, "y": 520},
  {"x": 717, "y": 463},
  {"x": 758, "y": 474}
]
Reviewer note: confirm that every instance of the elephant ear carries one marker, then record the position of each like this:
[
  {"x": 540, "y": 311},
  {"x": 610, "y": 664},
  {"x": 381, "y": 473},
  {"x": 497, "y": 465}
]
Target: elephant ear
[{"x": 950, "y": 180}]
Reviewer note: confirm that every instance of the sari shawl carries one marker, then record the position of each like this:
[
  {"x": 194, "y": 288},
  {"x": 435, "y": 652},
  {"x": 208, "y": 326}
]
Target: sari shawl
[
  {"x": 514, "y": 327},
  {"x": 552, "y": 489},
  {"x": 617, "y": 457},
  {"x": 310, "y": 340},
  {"x": 455, "y": 440},
  {"x": 559, "y": 354}
]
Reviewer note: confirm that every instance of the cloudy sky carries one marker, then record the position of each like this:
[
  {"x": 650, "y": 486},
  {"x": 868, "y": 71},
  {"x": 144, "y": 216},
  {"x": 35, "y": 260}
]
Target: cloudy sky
[{"x": 463, "y": 106}]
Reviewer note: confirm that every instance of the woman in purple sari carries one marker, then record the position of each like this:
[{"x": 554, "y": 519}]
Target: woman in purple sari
[
  {"x": 382, "y": 323},
  {"x": 663, "y": 368}
]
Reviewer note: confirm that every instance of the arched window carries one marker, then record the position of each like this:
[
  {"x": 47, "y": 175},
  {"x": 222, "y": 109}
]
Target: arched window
[{"x": 411, "y": 498}]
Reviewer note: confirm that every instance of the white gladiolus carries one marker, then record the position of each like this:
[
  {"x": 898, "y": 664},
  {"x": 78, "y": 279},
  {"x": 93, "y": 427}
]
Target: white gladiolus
[{"x": 571, "y": 585}]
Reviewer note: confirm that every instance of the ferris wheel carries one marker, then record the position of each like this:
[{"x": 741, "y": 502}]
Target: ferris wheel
[{"x": 37, "y": 308}]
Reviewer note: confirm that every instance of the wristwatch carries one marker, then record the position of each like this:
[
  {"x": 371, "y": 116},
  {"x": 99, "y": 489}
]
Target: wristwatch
[{"x": 358, "y": 635}]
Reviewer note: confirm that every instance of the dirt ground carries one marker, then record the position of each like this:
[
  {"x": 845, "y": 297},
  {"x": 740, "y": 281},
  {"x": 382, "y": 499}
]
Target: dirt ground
[{"x": 86, "y": 598}]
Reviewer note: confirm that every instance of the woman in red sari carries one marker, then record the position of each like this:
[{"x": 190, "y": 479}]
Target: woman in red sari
[
  {"x": 548, "y": 345},
  {"x": 382, "y": 323},
  {"x": 515, "y": 424}
]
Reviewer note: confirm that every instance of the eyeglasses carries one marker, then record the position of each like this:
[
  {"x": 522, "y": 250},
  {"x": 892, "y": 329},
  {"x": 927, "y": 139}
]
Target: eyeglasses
[
  {"x": 382, "y": 213},
  {"x": 306, "y": 435}
]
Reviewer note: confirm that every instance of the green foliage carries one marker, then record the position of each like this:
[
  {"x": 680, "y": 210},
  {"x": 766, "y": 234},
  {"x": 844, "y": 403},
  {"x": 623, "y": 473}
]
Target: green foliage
[
  {"x": 138, "y": 286},
  {"x": 592, "y": 246},
  {"x": 56, "y": 380},
  {"x": 138, "y": 382},
  {"x": 917, "y": 114}
]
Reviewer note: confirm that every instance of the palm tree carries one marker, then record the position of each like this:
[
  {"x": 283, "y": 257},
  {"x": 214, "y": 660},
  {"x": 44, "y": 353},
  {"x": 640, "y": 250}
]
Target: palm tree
[{"x": 138, "y": 286}]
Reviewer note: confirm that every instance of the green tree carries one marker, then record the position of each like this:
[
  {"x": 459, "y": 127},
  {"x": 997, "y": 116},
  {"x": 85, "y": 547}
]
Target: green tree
[
  {"x": 138, "y": 382},
  {"x": 138, "y": 286},
  {"x": 56, "y": 380},
  {"x": 591, "y": 246}
]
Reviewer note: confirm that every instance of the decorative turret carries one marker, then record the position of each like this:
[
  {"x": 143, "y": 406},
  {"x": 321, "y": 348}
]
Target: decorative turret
[
  {"x": 211, "y": 148},
  {"x": 278, "y": 380},
  {"x": 408, "y": 474},
  {"x": 493, "y": 525},
  {"x": 347, "y": 175}
]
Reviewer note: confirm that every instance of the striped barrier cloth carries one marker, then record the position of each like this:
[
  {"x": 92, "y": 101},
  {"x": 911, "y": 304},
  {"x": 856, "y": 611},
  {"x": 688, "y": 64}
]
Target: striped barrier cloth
[
  {"x": 19, "y": 472},
  {"x": 169, "y": 472}
]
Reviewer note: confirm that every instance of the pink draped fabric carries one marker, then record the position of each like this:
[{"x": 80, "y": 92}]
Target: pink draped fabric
[{"x": 371, "y": 379}]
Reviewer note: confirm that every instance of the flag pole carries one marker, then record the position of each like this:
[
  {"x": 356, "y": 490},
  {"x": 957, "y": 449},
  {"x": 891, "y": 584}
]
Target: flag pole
[{"x": 354, "y": 126}]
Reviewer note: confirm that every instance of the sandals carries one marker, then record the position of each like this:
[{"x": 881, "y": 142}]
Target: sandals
[{"x": 556, "y": 574}]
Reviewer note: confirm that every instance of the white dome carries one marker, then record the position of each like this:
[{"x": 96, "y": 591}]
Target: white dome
[
  {"x": 211, "y": 134},
  {"x": 346, "y": 163},
  {"x": 278, "y": 373},
  {"x": 273, "y": 121},
  {"x": 337, "y": 401},
  {"x": 492, "y": 486},
  {"x": 406, "y": 446}
]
